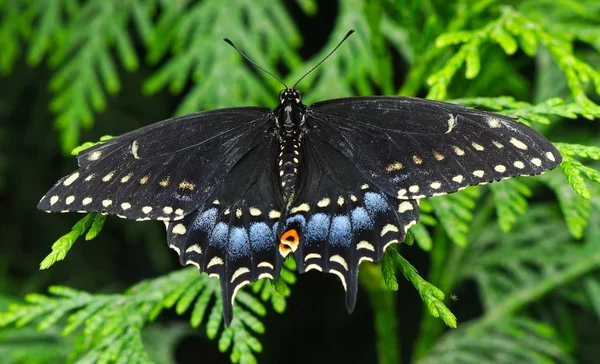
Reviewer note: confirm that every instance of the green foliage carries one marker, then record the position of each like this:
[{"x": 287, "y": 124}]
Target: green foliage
[
  {"x": 430, "y": 294},
  {"x": 109, "y": 327},
  {"x": 90, "y": 224},
  {"x": 530, "y": 271}
]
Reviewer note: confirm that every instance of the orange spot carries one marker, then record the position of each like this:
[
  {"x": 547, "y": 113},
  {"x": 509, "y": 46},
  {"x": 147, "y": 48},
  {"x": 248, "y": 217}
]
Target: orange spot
[
  {"x": 289, "y": 242},
  {"x": 290, "y": 238}
]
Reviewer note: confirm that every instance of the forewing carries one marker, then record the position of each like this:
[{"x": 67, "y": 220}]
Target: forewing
[
  {"x": 414, "y": 148},
  {"x": 233, "y": 234},
  {"x": 341, "y": 218},
  {"x": 162, "y": 171}
]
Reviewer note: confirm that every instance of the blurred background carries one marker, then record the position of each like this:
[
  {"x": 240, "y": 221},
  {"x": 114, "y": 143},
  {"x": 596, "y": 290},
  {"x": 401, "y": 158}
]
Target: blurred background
[{"x": 521, "y": 262}]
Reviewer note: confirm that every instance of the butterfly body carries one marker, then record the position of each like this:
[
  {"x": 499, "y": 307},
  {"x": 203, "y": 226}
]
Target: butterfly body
[{"x": 332, "y": 184}]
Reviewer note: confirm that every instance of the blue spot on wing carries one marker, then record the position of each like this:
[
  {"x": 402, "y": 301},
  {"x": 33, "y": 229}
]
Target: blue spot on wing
[
  {"x": 317, "y": 228},
  {"x": 340, "y": 231},
  {"x": 261, "y": 236},
  {"x": 375, "y": 203},
  {"x": 218, "y": 238},
  {"x": 361, "y": 219},
  {"x": 238, "y": 243},
  {"x": 206, "y": 221},
  {"x": 299, "y": 219}
]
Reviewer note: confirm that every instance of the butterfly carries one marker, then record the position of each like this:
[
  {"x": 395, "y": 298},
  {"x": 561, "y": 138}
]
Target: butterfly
[{"x": 333, "y": 184}]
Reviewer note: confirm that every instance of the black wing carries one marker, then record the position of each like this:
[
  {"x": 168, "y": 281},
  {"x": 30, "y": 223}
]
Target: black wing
[
  {"x": 341, "y": 219},
  {"x": 233, "y": 234},
  {"x": 412, "y": 148},
  {"x": 162, "y": 171}
]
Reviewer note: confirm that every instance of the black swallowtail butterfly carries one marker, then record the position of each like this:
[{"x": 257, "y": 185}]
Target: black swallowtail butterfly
[{"x": 333, "y": 184}]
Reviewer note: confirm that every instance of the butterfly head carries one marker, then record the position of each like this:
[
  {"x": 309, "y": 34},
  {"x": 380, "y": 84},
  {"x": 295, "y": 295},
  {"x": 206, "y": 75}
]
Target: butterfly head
[{"x": 291, "y": 95}]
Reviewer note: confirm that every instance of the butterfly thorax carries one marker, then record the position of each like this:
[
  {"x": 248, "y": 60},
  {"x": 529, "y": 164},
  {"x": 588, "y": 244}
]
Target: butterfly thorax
[{"x": 290, "y": 116}]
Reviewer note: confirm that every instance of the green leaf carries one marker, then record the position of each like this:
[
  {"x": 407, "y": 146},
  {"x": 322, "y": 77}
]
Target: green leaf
[{"x": 61, "y": 247}]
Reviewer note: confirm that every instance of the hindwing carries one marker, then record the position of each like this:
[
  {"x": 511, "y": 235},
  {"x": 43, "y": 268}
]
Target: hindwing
[
  {"x": 233, "y": 234},
  {"x": 414, "y": 148},
  {"x": 341, "y": 219}
]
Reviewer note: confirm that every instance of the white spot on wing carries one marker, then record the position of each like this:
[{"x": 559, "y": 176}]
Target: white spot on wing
[
  {"x": 265, "y": 265},
  {"x": 340, "y": 260},
  {"x": 493, "y": 122},
  {"x": 125, "y": 205},
  {"x": 497, "y": 144},
  {"x": 274, "y": 214},
  {"x": 71, "y": 179},
  {"x": 477, "y": 147},
  {"x": 435, "y": 185},
  {"x": 194, "y": 248},
  {"x": 313, "y": 266},
  {"x": 70, "y": 200},
  {"x": 255, "y": 211},
  {"x": 389, "y": 227},
  {"x": 500, "y": 168},
  {"x": 214, "y": 261},
  {"x": 396, "y": 166},
  {"x": 94, "y": 156},
  {"x": 342, "y": 278},
  {"x": 239, "y": 272},
  {"x": 389, "y": 243},
  {"x": 301, "y": 208},
  {"x": 126, "y": 178},
  {"x": 478, "y": 173},
  {"x": 108, "y": 176},
  {"x": 517, "y": 143},
  {"x": 324, "y": 202},
  {"x": 106, "y": 203},
  {"x": 409, "y": 225},
  {"x": 550, "y": 156},
  {"x": 365, "y": 245},
  {"x": 536, "y": 161},
  {"x": 146, "y": 209},
  {"x": 451, "y": 123},
  {"x": 414, "y": 188},
  {"x": 458, "y": 151},
  {"x": 340, "y": 201},
  {"x": 167, "y": 210},
  {"x": 519, "y": 164},
  {"x": 265, "y": 275},
  {"x": 312, "y": 256},
  {"x": 438, "y": 156},
  {"x": 134, "y": 149},
  {"x": 458, "y": 178},
  {"x": 53, "y": 200},
  {"x": 179, "y": 229},
  {"x": 87, "y": 201},
  {"x": 405, "y": 206}
]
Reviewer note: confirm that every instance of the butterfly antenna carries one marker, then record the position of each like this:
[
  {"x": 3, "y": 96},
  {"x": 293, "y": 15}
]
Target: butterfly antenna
[
  {"x": 323, "y": 60},
  {"x": 254, "y": 63}
]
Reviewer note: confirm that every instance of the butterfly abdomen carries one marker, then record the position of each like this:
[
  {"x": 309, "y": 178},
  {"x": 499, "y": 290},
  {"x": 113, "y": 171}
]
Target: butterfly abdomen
[{"x": 289, "y": 122}]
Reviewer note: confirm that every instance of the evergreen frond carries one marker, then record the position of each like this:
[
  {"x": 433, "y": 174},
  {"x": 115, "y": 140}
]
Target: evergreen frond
[
  {"x": 263, "y": 30},
  {"x": 79, "y": 39},
  {"x": 431, "y": 295},
  {"x": 575, "y": 170},
  {"x": 90, "y": 224},
  {"x": 110, "y": 326},
  {"x": 511, "y": 31},
  {"x": 510, "y": 199},
  {"x": 455, "y": 212}
]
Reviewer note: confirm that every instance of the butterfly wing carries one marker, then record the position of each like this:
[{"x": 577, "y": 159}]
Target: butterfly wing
[
  {"x": 340, "y": 218},
  {"x": 232, "y": 235},
  {"x": 414, "y": 148},
  {"x": 162, "y": 171}
]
